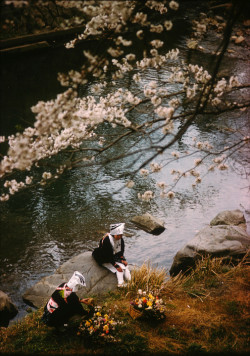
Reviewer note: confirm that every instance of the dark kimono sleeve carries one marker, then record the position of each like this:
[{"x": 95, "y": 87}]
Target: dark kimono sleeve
[
  {"x": 75, "y": 306},
  {"x": 107, "y": 251}
]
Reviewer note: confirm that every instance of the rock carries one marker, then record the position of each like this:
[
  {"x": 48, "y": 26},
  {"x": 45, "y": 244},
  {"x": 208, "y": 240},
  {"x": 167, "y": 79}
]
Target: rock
[
  {"x": 229, "y": 217},
  {"x": 98, "y": 280},
  {"x": 149, "y": 223},
  {"x": 8, "y": 310},
  {"x": 229, "y": 241}
]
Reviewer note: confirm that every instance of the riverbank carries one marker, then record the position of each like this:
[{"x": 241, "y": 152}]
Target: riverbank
[
  {"x": 49, "y": 39},
  {"x": 206, "y": 312}
]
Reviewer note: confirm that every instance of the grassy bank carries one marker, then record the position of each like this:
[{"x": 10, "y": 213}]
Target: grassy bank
[{"x": 207, "y": 311}]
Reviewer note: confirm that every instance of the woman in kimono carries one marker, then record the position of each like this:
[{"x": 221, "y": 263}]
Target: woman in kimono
[
  {"x": 110, "y": 253},
  {"x": 64, "y": 302}
]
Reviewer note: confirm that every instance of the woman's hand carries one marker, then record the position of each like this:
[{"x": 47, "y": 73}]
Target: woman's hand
[
  {"x": 88, "y": 301},
  {"x": 119, "y": 269},
  {"x": 125, "y": 262}
]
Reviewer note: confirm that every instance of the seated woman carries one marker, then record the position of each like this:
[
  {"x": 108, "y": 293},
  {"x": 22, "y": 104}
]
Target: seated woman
[
  {"x": 110, "y": 253},
  {"x": 64, "y": 302}
]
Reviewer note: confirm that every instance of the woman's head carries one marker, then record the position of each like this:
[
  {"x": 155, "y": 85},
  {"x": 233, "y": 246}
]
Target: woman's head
[
  {"x": 76, "y": 279},
  {"x": 117, "y": 230}
]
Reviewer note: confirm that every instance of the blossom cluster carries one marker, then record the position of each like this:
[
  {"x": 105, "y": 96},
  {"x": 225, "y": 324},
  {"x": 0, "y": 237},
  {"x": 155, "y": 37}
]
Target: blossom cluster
[
  {"x": 68, "y": 121},
  {"x": 100, "y": 326},
  {"x": 146, "y": 196},
  {"x": 61, "y": 123},
  {"x": 151, "y": 306},
  {"x": 112, "y": 15}
]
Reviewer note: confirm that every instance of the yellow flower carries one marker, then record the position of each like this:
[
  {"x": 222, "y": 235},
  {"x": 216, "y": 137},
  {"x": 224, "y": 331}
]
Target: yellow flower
[
  {"x": 87, "y": 323},
  {"x": 149, "y": 303},
  {"x": 106, "y": 316},
  {"x": 151, "y": 296},
  {"x": 105, "y": 327}
]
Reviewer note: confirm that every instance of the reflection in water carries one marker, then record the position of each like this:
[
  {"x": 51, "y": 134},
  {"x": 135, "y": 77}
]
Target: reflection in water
[{"x": 42, "y": 229}]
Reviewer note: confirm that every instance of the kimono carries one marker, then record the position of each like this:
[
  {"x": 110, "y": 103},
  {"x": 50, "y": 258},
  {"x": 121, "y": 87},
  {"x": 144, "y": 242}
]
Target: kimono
[
  {"x": 63, "y": 304},
  {"x": 110, "y": 254}
]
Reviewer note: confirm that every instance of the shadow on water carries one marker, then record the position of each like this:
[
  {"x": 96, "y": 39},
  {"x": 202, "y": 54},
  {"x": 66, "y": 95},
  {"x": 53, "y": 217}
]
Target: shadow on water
[{"x": 30, "y": 77}]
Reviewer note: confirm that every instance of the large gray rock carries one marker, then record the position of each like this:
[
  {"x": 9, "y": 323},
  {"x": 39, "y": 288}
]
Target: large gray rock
[
  {"x": 229, "y": 217},
  {"x": 229, "y": 241},
  {"x": 149, "y": 223},
  {"x": 8, "y": 310},
  {"x": 98, "y": 280}
]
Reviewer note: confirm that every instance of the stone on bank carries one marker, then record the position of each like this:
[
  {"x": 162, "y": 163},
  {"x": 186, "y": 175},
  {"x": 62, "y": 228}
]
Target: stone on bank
[
  {"x": 8, "y": 310},
  {"x": 149, "y": 223},
  {"x": 226, "y": 236},
  {"x": 98, "y": 280}
]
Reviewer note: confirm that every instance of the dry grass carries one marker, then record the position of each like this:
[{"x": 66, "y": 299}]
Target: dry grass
[
  {"x": 147, "y": 278},
  {"x": 209, "y": 307},
  {"x": 207, "y": 311}
]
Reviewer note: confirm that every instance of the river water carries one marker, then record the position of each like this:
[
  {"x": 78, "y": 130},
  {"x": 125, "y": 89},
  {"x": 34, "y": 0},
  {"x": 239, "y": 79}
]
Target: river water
[{"x": 42, "y": 228}]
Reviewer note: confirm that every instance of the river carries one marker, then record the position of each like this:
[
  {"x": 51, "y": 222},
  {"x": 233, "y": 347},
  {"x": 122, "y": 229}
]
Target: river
[{"x": 42, "y": 228}]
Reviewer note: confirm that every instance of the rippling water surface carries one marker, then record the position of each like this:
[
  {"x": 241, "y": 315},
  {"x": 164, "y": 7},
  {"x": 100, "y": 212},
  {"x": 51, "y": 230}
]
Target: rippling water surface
[{"x": 41, "y": 229}]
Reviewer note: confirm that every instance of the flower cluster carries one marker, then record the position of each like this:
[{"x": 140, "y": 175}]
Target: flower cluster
[
  {"x": 151, "y": 306},
  {"x": 146, "y": 196},
  {"x": 70, "y": 121},
  {"x": 100, "y": 326}
]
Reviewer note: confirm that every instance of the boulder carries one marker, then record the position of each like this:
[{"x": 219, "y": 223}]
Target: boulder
[
  {"x": 98, "y": 279},
  {"x": 8, "y": 310},
  {"x": 229, "y": 241},
  {"x": 229, "y": 217},
  {"x": 149, "y": 223}
]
